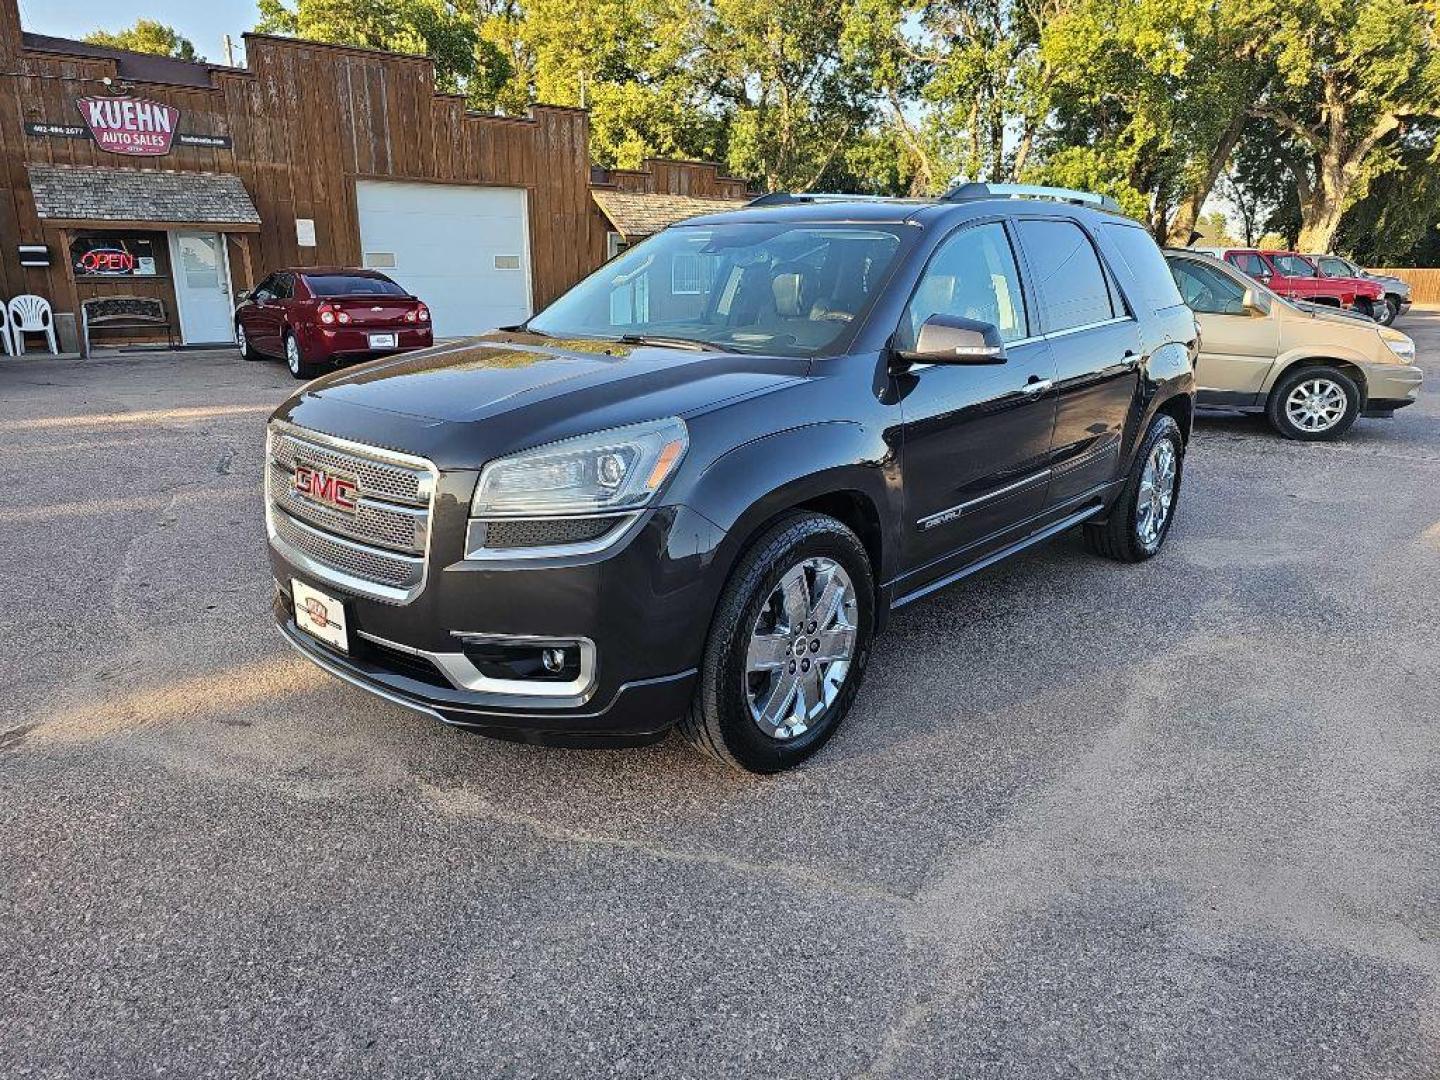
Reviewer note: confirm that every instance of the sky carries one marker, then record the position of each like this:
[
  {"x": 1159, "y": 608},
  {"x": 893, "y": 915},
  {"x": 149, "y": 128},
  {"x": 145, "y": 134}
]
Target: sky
[{"x": 204, "y": 22}]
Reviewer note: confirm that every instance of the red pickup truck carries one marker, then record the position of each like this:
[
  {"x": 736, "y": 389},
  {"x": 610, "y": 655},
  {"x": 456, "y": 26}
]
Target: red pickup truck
[{"x": 1294, "y": 276}]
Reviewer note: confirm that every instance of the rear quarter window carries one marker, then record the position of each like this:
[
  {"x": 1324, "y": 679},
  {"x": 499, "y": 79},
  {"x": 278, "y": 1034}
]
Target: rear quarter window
[{"x": 1147, "y": 266}]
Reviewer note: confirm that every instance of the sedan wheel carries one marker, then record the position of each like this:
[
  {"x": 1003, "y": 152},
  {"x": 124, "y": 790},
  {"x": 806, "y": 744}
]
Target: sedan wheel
[{"x": 800, "y": 648}]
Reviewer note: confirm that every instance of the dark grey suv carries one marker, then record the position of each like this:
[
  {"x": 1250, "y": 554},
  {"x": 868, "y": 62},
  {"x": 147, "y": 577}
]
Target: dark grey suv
[{"x": 691, "y": 490}]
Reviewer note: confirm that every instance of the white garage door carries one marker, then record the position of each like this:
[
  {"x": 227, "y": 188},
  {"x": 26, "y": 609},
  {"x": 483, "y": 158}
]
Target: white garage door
[{"x": 463, "y": 250}]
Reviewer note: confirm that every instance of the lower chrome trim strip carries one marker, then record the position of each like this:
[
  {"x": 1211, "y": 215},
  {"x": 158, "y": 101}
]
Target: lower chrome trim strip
[
  {"x": 943, "y": 517},
  {"x": 464, "y": 675}
]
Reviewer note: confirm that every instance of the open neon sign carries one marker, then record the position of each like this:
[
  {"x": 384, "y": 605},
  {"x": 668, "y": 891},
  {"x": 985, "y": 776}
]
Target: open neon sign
[{"x": 107, "y": 261}]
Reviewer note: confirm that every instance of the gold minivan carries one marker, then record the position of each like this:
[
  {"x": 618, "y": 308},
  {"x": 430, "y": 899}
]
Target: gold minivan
[{"x": 1309, "y": 369}]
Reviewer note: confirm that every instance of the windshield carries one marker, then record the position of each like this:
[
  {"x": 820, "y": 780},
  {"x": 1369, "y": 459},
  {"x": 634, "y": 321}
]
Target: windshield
[
  {"x": 794, "y": 290},
  {"x": 352, "y": 285}
]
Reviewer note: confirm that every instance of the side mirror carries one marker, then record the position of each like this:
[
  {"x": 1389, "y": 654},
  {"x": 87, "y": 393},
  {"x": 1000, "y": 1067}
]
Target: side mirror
[
  {"x": 1254, "y": 304},
  {"x": 951, "y": 339},
  {"x": 242, "y": 296}
]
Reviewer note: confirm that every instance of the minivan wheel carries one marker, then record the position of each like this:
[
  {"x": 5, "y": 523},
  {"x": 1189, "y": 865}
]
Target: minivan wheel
[
  {"x": 787, "y": 648},
  {"x": 1314, "y": 403},
  {"x": 1141, "y": 518},
  {"x": 295, "y": 359}
]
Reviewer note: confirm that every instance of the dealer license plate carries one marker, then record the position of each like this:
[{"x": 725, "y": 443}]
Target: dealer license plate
[
  {"x": 382, "y": 341},
  {"x": 320, "y": 616}
]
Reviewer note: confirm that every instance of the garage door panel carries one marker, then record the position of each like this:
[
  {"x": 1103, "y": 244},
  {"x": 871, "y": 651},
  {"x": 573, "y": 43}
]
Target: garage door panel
[{"x": 444, "y": 240}]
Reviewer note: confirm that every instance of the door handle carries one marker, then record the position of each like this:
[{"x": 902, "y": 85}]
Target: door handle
[{"x": 1036, "y": 385}]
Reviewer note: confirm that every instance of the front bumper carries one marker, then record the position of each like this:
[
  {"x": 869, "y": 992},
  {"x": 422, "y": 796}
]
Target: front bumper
[
  {"x": 1390, "y": 387},
  {"x": 645, "y": 605}
]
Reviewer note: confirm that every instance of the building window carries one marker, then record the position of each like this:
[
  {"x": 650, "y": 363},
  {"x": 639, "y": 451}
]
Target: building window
[{"x": 114, "y": 255}]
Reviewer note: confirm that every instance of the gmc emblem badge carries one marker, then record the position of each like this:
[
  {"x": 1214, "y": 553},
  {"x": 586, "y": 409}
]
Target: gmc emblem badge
[{"x": 341, "y": 492}]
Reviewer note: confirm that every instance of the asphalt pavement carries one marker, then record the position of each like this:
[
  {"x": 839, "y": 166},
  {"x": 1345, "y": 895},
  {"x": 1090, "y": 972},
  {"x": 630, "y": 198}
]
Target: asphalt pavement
[{"x": 1172, "y": 820}]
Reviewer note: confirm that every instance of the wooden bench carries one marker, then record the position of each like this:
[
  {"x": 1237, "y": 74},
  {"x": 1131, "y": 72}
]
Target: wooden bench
[{"x": 123, "y": 313}]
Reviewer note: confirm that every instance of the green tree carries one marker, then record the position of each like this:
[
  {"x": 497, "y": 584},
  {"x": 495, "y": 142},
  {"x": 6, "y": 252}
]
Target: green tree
[
  {"x": 147, "y": 36},
  {"x": 778, "y": 74},
  {"x": 1401, "y": 205},
  {"x": 1349, "y": 77},
  {"x": 433, "y": 28}
]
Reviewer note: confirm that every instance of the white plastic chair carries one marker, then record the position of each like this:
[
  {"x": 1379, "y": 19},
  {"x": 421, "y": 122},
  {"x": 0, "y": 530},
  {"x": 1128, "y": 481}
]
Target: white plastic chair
[
  {"x": 5, "y": 342},
  {"x": 31, "y": 315}
]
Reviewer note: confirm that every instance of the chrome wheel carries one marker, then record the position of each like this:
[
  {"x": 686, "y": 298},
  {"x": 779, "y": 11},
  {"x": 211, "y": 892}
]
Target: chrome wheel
[
  {"x": 801, "y": 647},
  {"x": 292, "y": 354},
  {"x": 240, "y": 340},
  {"x": 1156, "y": 494},
  {"x": 1316, "y": 405}
]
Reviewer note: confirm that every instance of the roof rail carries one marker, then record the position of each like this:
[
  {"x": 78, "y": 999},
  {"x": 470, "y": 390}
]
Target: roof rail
[
  {"x": 781, "y": 198},
  {"x": 966, "y": 192}
]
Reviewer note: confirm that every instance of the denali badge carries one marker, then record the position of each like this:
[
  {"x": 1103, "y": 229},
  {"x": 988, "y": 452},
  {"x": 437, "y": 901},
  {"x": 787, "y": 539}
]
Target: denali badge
[{"x": 340, "y": 492}]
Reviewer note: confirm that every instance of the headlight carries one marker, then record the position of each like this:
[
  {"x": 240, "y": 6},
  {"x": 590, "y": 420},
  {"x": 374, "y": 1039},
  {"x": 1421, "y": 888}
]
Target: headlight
[
  {"x": 618, "y": 469},
  {"x": 1400, "y": 345}
]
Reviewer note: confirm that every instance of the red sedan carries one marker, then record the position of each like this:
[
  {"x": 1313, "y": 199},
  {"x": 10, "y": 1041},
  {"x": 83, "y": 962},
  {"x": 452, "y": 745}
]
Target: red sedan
[{"x": 314, "y": 316}]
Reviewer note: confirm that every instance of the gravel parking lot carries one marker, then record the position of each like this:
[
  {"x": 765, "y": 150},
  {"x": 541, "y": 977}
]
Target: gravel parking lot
[{"x": 1180, "y": 819}]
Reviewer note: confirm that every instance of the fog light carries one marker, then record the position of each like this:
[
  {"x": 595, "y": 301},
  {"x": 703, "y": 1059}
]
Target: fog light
[{"x": 524, "y": 661}]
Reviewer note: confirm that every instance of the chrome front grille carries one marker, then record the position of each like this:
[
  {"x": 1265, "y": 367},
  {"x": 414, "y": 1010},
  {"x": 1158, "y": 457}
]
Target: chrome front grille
[{"x": 379, "y": 549}]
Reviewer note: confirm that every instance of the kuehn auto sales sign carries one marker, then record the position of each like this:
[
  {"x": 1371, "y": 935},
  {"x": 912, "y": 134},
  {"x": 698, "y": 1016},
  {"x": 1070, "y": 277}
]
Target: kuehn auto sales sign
[{"x": 130, "y": 125}]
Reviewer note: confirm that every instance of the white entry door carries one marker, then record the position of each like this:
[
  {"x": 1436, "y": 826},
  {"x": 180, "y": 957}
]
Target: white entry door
[
  {"x": 462, "y": 249},
  {"x": 202, "y": 287}
]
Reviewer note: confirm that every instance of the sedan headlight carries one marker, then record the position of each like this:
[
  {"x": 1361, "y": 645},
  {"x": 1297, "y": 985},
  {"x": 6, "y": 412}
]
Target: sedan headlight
[
  {"x": 618, "y": 469},
  {"x": 1400, "y": 345}
]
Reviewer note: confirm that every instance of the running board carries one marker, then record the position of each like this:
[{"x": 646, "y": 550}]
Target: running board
[{"x": 1067, "y": 522}]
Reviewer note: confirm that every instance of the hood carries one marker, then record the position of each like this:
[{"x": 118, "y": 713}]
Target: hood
[
  {"x": 1327, "y": 313},
  {"x": 523, "y": 389}
]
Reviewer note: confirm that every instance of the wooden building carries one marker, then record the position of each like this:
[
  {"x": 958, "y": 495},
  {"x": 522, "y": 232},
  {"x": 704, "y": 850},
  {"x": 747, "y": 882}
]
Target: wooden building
[{"x": 129, "y": 174}]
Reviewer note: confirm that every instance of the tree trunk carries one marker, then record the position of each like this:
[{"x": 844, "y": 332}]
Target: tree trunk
[{"x": 1188, "y": 212}]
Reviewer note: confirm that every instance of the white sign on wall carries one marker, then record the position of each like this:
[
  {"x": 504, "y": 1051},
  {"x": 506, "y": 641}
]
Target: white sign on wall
[{"x": 305, "y": 231}]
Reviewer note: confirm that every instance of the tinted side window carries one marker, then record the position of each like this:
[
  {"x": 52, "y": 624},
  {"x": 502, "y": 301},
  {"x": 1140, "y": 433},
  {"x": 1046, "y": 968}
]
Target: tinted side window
[
  {"x": 1068, "y": 275},
  {"x": 973, "y": 275},
  {"x": 284, "y": 287},
  {"x": 1143, "y": 257},
  {"x": 267, "y": 285},
  {"x": 1249, "y": 264},
  {"x": 1293, "y": 266},
  {"x": 1208, "y": 290}
]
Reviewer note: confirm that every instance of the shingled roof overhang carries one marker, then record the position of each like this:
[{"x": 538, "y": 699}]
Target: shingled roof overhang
[
  {"x": 88, "y": 195},
  {"x": 635, "y": 216}
]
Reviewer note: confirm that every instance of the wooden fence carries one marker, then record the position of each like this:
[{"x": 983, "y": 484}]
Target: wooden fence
[{"x": 1424, "y": 282}]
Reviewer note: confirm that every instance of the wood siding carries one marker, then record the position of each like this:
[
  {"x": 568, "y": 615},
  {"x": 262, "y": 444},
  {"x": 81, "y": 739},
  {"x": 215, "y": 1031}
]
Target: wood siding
[
  {"x": 1424, "y": 282},
  {"x": 306, "y": 121}
]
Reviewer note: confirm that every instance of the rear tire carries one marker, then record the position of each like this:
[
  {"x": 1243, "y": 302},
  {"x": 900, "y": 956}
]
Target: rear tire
[
  {"x": 1314, "y": 404},
  {"x": 295, "y": 359},
  {"x": 1389, "y": 311},
  {"x": 774, "y": 682},
  {"x": 1141, "y": 518}
]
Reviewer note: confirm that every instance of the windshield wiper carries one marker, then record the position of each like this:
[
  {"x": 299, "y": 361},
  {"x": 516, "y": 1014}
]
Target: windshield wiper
[{"x": 666, "y": 342}]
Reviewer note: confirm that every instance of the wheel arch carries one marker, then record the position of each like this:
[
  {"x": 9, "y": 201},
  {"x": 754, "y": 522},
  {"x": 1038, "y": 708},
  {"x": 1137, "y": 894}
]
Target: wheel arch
[
  {"x": 1349, "y": 367},
  {"x": 838, "y": 468}
]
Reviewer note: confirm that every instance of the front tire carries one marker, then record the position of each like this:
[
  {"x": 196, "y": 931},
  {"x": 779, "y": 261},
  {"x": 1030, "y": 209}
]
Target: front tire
[
  {"x": 1141, "y": 518},
  {"x": 1389, "y": 311},
  {"x": 1313, "y": 404},
  {"x": 787, "y": 647},
  {"x": 295, "y": 359},
  {"x": 242, "y": 341}
]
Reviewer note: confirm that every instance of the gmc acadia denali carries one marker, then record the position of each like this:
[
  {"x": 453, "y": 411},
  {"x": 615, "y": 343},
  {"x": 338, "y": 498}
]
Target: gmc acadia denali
[{"x": 691, "y": 490}]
